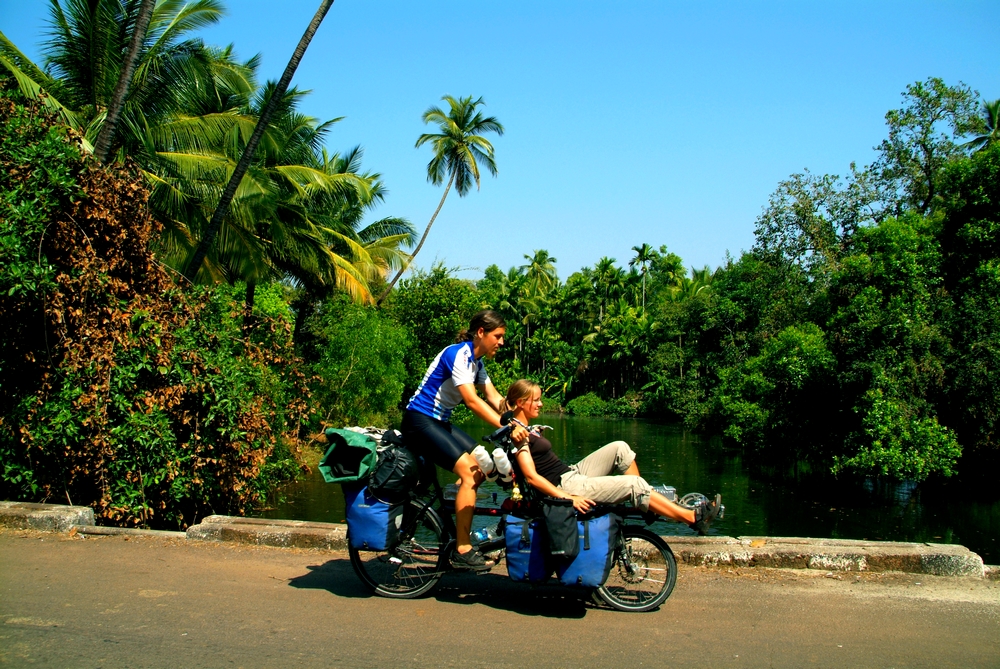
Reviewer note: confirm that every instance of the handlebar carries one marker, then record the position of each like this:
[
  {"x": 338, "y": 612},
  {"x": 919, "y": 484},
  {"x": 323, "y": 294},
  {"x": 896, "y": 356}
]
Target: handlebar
[{"x": 499, "y": 434}]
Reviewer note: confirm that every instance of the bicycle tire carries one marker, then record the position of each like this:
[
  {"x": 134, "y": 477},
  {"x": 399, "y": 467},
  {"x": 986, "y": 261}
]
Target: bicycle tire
[
  {"x": 643, "y": 574},
  {"x": 413, "y": 567}
]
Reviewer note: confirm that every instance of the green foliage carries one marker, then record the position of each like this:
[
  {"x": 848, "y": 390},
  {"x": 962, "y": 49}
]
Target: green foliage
[
  {"x": 120, "y": 391},
  {"x": 434, "y": 306},
  {"x": 900, "y": 444},
  {"x": 779, "y": 397},
  {"x": 357, "y": 369},
  {"x": 590, "y": 405},
  {"x": 971, "y": 243}
]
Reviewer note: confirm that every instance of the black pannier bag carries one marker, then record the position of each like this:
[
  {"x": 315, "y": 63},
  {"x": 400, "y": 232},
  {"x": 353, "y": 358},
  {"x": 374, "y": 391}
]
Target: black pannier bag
[
  {"x": 561, "y": 527},
  {"x": 396, "y": 471}
]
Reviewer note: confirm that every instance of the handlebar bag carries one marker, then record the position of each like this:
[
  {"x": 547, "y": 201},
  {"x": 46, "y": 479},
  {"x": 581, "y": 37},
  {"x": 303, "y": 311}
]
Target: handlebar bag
[
  {"x": 526, "y": 550},
  {"x": 372, "y": 524},
  {"x": 590, "y": 568}
]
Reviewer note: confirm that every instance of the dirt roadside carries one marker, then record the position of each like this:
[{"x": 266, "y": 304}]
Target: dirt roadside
[{"x": 161, "y": 602}]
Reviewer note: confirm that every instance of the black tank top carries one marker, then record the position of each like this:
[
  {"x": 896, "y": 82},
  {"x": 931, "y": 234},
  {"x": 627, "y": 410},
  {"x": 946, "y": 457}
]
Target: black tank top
[{"x": 547, "y": 463}]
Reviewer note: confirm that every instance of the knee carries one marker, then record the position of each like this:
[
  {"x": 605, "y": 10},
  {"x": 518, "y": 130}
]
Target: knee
[
  {"x": 470, "y": 475},
  {"x": 624, "y": 455}
]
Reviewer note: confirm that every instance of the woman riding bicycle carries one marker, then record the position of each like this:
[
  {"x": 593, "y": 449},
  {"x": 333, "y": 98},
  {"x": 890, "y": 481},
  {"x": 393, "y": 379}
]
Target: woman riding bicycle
[
  {"x": 591, "y": 481},
  {"x": 452, "y": 378}
]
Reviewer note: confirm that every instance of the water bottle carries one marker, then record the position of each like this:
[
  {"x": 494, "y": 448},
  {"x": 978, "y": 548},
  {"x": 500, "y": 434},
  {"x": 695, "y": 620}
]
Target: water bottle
[
  {"x": 483, "y": 535},
  {"x": 503, "y": 465},
  {"x": 485, "y": 462}
]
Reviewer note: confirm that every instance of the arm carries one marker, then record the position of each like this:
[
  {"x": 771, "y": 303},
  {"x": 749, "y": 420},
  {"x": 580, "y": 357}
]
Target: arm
[
  {"x": 477, "y": 405},
  {"x": 543, "y": 485},
  {"x": 493, "y": 397}
]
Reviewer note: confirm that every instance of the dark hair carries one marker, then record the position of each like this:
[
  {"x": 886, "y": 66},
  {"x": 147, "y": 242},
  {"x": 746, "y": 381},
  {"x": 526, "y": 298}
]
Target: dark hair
[{"x": 487, "y": 319}]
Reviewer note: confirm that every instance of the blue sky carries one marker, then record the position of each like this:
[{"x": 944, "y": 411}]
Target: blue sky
[{"x": 668, "y": 123}]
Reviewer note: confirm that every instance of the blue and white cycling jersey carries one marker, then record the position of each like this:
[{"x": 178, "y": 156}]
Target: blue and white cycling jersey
[{"x": 438, "y": 393}]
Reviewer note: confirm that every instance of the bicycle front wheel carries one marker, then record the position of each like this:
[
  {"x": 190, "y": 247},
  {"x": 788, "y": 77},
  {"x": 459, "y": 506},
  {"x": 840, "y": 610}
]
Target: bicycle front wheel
[
  {"x": 413, "y": 567},
  {"x": 643, "y": 573}
]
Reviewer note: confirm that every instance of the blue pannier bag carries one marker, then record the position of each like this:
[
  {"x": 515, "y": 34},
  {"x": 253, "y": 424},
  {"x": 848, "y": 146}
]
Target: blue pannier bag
[
  {"x": 372, "y": 524},
  {"x": 590, "y": 567},
  {"x": 527, "y": 550}
]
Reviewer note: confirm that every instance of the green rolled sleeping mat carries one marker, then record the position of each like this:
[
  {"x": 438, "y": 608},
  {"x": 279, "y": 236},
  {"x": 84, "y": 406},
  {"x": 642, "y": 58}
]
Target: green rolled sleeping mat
[{"x": 349, "y": 458}]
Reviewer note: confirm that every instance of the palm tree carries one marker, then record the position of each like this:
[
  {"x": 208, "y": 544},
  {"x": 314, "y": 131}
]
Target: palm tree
[
  {"x": 248, "y": 152},
  {"x": 124, "y": 80},
  {"x": 991, "y": 121},
  {"x": 296, "y": 214},
  {"x": 606, "y": 276},
  {"x": 84, "y": 65},
  {"x": 459, "y": 148},
  {"x": 540, "y": 272},
  {"x": 644, "y": 254},
  {"x": 699, "y": 284}
]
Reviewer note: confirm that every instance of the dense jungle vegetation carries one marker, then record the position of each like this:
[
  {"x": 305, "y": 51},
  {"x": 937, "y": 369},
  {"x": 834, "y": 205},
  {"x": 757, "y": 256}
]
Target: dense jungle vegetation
[{"x": 861, "y": 332}]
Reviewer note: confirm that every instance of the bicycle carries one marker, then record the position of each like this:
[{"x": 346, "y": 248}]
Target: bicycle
[{"x": 643, "y": 573}]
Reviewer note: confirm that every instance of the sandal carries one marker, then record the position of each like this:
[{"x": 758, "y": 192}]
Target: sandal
[
  {"x": 472, "y": 560},
  {"x": 705, "y": 513}
]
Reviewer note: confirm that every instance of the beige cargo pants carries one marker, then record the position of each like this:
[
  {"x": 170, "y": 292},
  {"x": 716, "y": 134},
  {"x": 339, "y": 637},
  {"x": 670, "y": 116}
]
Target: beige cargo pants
[{"x": 592, "y": 477}]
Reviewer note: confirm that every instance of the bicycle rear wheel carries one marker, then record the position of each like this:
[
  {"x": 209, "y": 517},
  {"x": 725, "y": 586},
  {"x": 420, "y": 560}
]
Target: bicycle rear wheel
[
  {"x": 413, "y": 567},
  {"x": 643, "y": 573}
]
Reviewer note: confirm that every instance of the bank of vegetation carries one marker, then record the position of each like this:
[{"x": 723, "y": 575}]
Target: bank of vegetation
[{"x": 860, "y": 333}]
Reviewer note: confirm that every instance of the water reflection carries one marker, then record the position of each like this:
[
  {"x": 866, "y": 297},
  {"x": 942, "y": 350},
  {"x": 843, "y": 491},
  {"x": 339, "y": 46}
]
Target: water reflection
[{"x": 760, "y": 499}]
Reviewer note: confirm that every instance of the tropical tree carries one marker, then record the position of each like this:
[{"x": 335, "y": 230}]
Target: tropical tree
[
  {"x": 297, "y": 214},
  {"x": 540, "y": 272},
  {"x": 85, "y": 57},
  {"x": 604, "y": 277},
  {"x": 124, "y": 80},
  {"x": 459, "y": 148},
  {"x": 208, "y": 239},
  {"x": 644, "y": 254},
  {"x": 699, "y": 283},
  {"x": 922, "y": 138},
  {"x": 991, "y": 131}
]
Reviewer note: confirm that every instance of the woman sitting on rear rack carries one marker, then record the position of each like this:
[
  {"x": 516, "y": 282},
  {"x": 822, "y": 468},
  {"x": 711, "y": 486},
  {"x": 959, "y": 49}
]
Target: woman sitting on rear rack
[{"x": 591, "y": 481}]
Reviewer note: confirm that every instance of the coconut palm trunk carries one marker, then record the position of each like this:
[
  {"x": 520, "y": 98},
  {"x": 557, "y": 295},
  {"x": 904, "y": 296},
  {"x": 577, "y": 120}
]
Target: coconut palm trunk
[
  {"x": 124, "y": 79},
  {"x": 208, "y": 238},
  {"x": 413, "y": 255}
]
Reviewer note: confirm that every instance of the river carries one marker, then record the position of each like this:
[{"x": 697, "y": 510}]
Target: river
[{"x": 760, "y": 500}]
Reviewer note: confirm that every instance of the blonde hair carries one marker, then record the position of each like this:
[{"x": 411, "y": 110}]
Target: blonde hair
[{"x": 522, "y": 389}]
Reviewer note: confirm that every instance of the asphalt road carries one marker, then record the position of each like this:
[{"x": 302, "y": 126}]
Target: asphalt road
[{"x": 154, "y": 602}]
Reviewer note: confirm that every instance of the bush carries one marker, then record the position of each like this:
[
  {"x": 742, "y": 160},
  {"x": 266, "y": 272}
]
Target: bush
[
  {"x": 120, "y": 391},
  {"x": 589, "y": 405},
  {"x": 357, "y": 363},
  {"x": 434, "y": 306}
]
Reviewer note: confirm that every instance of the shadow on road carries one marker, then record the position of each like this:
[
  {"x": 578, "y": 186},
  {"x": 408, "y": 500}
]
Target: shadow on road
[
  {"x": 334, "y": 576},
  {"x": 494, "y": 590}
]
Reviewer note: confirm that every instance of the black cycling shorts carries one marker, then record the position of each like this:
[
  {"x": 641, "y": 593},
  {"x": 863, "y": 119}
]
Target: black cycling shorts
[{"x": 440, "y": 441}]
